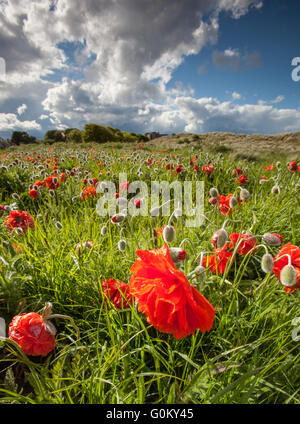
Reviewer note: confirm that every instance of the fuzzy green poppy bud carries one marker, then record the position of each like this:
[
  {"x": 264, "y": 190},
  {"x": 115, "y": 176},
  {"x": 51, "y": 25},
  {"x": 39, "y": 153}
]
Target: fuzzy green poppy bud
[
  {"x": 103, "y": 230},
  {"x": 169, "y": 234},
  {"x": 275, "y": 189},
  {"x": 272, "y": 239},
  {"x": 177, "y": 254},
  {"x": 233, "y": 202},
  {"x": 244, "y": 194},
  {"x": 122, "y": 245},
  {"x": 288, "y": 276},
  {"x": 219, "y": 238},
  {"x": 267, "y": 263},
  {"x": 200, "y": 273},
  {"x": 214, "y": 192}
]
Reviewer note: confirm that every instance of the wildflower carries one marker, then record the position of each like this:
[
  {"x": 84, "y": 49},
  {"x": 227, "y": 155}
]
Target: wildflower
[
  {"x": 17, "y": 219},
  {"x": 62, "y": 177},
  {"x": 179, "y": 169},
  {"x": 279, "y": 264},
  {"x": 177, "y": 254},
  {"x": 245, "y": 245},
  {"x": 39, "y": 183},
  {"x": 293, "y": 166},
  {"x": 242, "y": 179},
  {"x": 33, "y": 193},
  {"x": 219, "y": 238},
  {"x": 117, "y": 218},
  {"x": 269, "y": 167},
  {"x": 208, "y": 169},
  {"x": 218, "y": 261},
  {"x": 237, "y": 172},
  {"x": 166, "y": 297},
  {"x": 33, "y": 333},
  {"x": 213, "y": 192},
  {"x": 88, "y": 193},
  {"x": 52, "y": 182},
  {"x": 213, "y": 200},
  {"x": 169, "y": 234},
  {"x": 224, "y": 204},
  {"x": 118, "y": 292}
]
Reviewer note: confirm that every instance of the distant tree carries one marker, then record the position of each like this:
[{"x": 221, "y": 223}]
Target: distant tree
[
  {"x": 97, "y": 133},
  {"x": 21, "y": 137},
  {"x": 54, "y": 136},
  {"x": 74, "y": 136}
]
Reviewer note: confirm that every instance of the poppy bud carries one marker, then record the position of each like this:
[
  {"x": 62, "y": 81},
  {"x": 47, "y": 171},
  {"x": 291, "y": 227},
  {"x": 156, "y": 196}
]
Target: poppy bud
[
  {"x": 244, "y": 194},
  {"x": 177, "y": 254},
  {"x": 272, "y": 239},
  {"x": 275, "y": 189},
  {"x": 278, "y": 164},
  {"x": 267, "y": 263},
  {"x": 219, "y": 238},
  {"x": 15, "y": 196},
  {"x": 200, "y": 273},
  {"x": 233, "y": 202},
  {"x": 58, "y": 225},
  {"x": 122, "y": 245},
  {"x": 51, "y": 192},
  {"x": 213, "y": 192},
  {"x": 213, "y": 200},
  {"x": 169, "y": 234},
  {"x": 288, "y": 276},
  {"x": 117, "y": 218},
  {"x": 103, "y": 230}
]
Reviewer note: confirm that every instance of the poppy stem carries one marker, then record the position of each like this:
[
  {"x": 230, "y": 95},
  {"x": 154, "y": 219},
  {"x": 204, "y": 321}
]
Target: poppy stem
[{"x": 68, "y": 318}]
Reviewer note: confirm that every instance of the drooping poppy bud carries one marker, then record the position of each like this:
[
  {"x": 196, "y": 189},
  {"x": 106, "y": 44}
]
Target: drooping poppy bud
[
  {"x": 200, "y": 272},
  {"x": 177, "y": 254},
  {"x": 117, "y": 218},
  {"x": 267, "y": 263},
  {"x": 219, "y": 238},
  {"x": 169, "y": 234},
  {"x": 103, "y": 230},
  {"x": 214, "y": 192},
  {"x": 122, "y": 245},
  {"x": 233, "y": 202},
  {"x": 244, "y": 194},
  {"x": 288, "y": 276},
  {"x": 272, "y": 239},
  {"x": 275, "y": 189},
  {"x": 213, "y": 200}
]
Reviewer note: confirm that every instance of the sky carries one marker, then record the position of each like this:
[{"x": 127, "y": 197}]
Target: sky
[{"x": 149, "y": 65}]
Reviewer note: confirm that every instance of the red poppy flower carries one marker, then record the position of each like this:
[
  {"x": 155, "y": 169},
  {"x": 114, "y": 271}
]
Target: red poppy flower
[
  {"x": 137, "y": 203},
  {"x": 294, "y": 253},
  {"x": 237, "y": 172},
  {"x": 164, "y": 294},
  {"x": 269, "y": 167},
  {"x": 245, "y": 246},
  {"x": 192, "y": 160},
  {"x": 113, "y": 290},
  {"x": 88, "y": 193},
  {"x": 17, "y": 219},
  {"x": 218, "y": 261},
  {"x": 179, "y": 169},
  {"x": 52, "y": 182},
  {"x": 242, "y": 179},
  {"x": 168, "y": 166},
  {"x": 208, "y": 169},
  {"x": 62, "y": 177},
  {"x": 224, "y": 204},
  {"x": 31, "y": 333},
  {"x": 39, "y": 183},
  {"x": 293, "y": 166},
  {"x": 33, "y": 193},
  {"x": 196, "y": 168}
]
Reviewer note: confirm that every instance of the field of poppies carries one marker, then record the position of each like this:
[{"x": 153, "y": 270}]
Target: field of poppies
[{"x": 141, "y": 308}]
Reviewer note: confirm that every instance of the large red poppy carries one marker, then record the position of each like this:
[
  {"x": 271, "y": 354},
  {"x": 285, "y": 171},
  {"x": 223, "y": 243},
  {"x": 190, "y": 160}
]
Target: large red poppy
[
  {"x": 31, "y": 333},
  {"x": 17, "y": 219},
  {"x": 294, "y": 253},
  {"x": 172, "y": 305}
]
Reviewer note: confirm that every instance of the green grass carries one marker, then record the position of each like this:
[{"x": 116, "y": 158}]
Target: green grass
[{"x": 249, "y": 356}]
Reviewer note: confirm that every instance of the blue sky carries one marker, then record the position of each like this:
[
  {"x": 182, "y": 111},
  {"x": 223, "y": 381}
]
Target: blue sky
[{"x": 141, "y": 65}]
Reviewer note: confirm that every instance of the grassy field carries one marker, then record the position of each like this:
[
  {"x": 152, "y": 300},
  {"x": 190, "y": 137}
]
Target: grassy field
[{"x": 248, "y": 356}]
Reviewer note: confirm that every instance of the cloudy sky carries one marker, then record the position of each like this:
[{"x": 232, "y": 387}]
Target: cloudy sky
[{"x": 149, "y": 65}]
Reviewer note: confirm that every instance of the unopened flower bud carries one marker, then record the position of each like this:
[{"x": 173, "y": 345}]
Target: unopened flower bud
[
  {"x": 267, "y": 263},
  {"x": 200, "y": 273},
  {"x": 219, "y": 238},
  {"x": 177, "y": 254},
  {"x": 288, "y": 276},
  {"x": 103, "y": 230},
  {"x": 213, "y": 200},
  {"x": 272, "y": 239},
  {"x": 15, "y": 196},
  {"x": 122, "y": 245},
  {"x": 51, "y": 192},
  {"x": 275, "y": 189},
  {"x": 169, "y": 234},
  {"x": 58, "y": 225},
  {"x": 117, "y": 218},
  {"x": 233, "y": 202},
  {"x": 213, "y": 192},
  {"x": 244, "y": 194}
]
